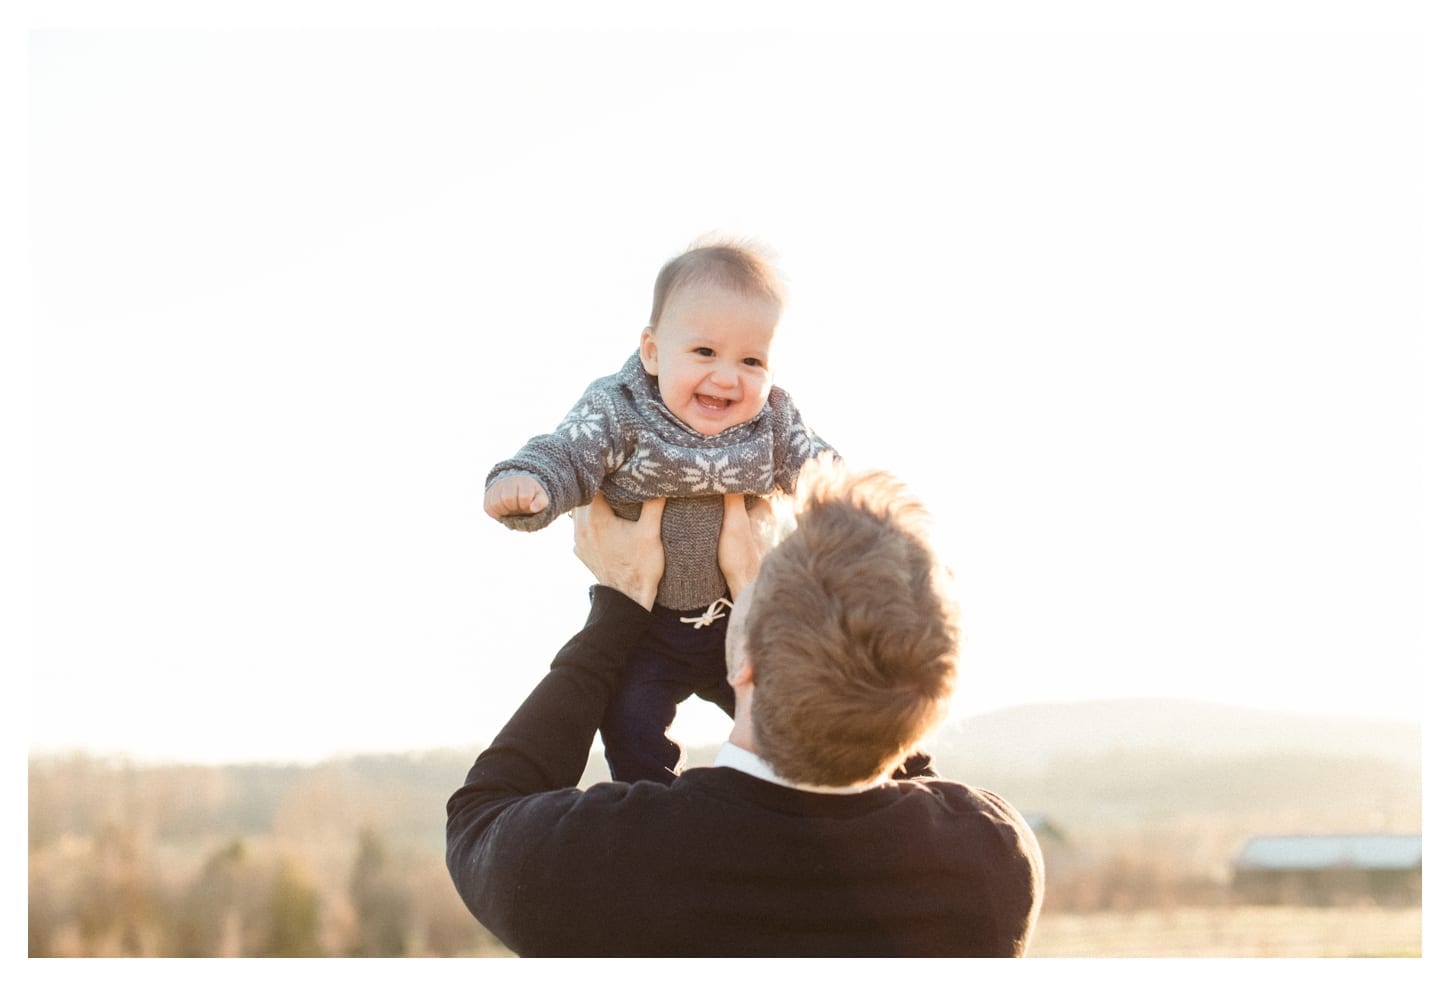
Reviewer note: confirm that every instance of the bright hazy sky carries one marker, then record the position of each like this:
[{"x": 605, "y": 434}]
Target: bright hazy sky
[{"x": 1135, "y": 313}]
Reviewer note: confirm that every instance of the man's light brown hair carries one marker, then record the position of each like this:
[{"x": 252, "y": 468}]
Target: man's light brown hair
[
  {"x": 852, "y": 633},
  {"x": 737, "y": 265}
]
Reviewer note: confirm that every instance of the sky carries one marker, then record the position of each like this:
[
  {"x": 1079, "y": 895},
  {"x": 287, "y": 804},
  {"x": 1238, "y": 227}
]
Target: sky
[{"x": 1137, "y": 314}]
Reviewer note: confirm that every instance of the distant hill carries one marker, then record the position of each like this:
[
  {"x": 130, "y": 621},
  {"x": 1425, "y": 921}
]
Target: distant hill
[
  {"x": 1032, "y": 737},
  {"x": 1138, "y": 762},
  {"x": 1034, "y": 734}
]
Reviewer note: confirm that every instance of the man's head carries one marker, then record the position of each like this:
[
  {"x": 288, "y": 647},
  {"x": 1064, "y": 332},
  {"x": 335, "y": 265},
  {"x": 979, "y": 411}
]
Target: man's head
[
  {"x": 709, "y": 335},
  {"x": 850, "y": 632}
]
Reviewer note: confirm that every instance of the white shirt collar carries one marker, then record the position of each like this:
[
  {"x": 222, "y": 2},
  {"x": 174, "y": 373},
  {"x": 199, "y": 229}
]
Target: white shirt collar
[{"x": 746, "y": 762}]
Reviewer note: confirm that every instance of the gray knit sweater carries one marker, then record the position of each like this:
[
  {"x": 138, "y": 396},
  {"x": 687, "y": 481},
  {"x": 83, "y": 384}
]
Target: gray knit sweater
[{"x": 620, "y": 439}]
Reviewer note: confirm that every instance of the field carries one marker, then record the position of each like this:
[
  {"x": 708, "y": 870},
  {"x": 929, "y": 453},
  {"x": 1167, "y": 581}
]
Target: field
[
  {"x": 1236, "y": 932},
  {"x": 345, "y": 858}
]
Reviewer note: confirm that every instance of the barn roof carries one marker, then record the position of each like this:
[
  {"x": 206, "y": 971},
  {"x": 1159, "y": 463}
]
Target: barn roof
[
  {"x": 1317, "y": 852},
  {"x": 1043, "y": 826}
]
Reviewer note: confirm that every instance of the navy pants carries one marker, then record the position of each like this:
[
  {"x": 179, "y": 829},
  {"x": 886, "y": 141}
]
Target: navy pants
[{"x": 674, "y": 661}]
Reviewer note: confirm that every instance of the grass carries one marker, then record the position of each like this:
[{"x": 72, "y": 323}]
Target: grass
[{"x": 1226, "y": 932}]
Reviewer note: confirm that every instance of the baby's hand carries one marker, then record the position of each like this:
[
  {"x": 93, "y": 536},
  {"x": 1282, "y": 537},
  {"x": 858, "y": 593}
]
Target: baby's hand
[{"x": 514, "y": 495}]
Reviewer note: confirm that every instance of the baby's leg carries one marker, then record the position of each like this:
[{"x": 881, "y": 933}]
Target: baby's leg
[
  {"x": 637, "y": 744},
  {"x": 706, "y": 658},
  {"x": 674, "y": 661}
]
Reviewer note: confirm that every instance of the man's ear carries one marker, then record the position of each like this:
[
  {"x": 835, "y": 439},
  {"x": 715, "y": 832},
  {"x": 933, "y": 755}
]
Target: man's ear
[
  {"x": 744, "y": 674},
  {"x": 649, "y": 351}
]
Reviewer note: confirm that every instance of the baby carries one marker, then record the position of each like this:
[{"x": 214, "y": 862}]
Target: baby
[{"x": 691, "y": 416}]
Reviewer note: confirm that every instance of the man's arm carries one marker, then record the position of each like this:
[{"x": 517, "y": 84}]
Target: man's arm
[
  {"x": 746, "y": 535},
  {"x": 545, "y": 746},
  {"x": 502, "y": 812}
]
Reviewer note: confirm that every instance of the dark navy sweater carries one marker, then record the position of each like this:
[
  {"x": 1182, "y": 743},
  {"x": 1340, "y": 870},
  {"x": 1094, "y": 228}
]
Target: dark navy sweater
[{"x": 721, "y": 863}]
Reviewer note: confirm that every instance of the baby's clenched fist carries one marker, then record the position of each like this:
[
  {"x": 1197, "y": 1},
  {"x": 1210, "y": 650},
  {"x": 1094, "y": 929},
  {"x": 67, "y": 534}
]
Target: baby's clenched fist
[{"x": 514, "y": 495}]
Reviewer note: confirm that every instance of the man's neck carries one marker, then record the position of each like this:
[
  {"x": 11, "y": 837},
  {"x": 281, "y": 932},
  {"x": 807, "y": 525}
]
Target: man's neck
[{"x": 742, "y": 730}]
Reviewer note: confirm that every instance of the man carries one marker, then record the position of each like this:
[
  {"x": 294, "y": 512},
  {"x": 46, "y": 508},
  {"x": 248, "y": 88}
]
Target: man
[{"x": 817, "y": 832}]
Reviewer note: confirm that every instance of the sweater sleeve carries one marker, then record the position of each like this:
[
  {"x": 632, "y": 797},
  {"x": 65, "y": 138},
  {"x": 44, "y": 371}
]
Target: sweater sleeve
[
  {"x": 525, "y": 782},
  {"x": 571, "y": 461},
  {"x": 795, "y": 442}
]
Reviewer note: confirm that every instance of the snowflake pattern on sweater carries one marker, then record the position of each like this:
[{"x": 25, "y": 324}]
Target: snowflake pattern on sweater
[
  {"x": 621, "y": 440},
  {"x": 709, "y": 475}
]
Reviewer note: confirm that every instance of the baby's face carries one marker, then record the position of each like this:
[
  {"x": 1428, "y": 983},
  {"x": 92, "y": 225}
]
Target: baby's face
[{"x": 711, "y": 353}]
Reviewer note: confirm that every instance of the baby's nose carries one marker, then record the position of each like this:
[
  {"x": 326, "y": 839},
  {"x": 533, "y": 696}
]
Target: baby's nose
[{"x": 726, "y": 377}]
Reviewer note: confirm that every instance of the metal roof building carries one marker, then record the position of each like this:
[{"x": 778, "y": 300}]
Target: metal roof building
[
  {"x": 1321, "y": 852},
  {"x": 1042, "y": 826},
  {"x": 1325, "y": 869}
]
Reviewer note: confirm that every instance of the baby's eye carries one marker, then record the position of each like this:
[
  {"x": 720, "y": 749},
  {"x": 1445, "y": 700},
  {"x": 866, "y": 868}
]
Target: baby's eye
[
  {"x": 754, "y": 361},
  {"x": 704, "y": 351}
]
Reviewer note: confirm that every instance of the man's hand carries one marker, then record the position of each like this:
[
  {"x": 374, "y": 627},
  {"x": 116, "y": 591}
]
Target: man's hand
[
  {"x": 517, "y": 494},
  {"x": 745, "y": 538},
  {"x": 624, "y": 555}
]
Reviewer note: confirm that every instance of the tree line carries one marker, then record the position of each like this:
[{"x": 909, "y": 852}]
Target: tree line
[{"x": 343, "y": 859}]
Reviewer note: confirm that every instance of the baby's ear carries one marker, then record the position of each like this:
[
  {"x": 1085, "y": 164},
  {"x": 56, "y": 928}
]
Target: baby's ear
[{"x": 649, "y": 351}]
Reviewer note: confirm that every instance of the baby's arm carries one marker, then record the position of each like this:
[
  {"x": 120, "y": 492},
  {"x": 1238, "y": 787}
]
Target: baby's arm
[
  {"x": 554, "y": 473},
  {"x": 795, "y": 442}
]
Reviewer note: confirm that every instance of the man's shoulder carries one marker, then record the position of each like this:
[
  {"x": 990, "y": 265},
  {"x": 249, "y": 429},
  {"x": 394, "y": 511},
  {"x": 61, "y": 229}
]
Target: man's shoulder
[
  {"x": 721, "y": 790},
  {"x": 968, "y": 797}
]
